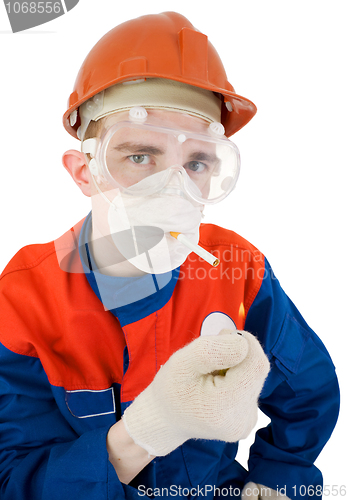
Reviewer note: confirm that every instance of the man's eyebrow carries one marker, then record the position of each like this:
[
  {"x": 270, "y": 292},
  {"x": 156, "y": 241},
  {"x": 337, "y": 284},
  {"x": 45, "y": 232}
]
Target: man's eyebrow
[
  {"x": 201, "y": 156},
  {"x": 138, "y": 148}
]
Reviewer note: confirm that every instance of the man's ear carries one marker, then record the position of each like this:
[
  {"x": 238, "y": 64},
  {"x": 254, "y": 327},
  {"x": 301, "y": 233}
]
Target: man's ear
[{"x": 75, "y": 163}]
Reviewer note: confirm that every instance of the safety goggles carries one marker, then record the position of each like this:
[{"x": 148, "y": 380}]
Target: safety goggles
[{"x": 141, "y": 158}]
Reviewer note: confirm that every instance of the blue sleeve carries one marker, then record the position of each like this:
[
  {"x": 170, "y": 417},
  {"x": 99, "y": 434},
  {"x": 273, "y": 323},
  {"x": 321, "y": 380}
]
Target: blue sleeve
[
  {"x": 41, "y": 456},
  {"x": 300, "y": 396}
]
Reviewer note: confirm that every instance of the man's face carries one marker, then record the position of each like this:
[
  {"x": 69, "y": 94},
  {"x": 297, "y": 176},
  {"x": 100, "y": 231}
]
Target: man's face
[{"x": 139, "y": 226}]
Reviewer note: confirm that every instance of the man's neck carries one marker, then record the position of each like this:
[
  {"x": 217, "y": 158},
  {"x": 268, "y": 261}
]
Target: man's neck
[{"x": 108, "y": 259}]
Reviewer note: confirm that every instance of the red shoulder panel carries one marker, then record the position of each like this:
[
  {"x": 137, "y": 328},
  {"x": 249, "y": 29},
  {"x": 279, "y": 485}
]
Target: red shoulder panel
[{"x": 55, "y": 315}]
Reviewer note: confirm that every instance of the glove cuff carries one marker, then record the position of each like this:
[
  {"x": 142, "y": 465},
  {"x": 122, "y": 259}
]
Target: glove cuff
[{"x": 150, "y": 430}]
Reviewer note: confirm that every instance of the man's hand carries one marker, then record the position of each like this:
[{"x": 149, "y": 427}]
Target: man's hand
[{"x": 192, "y": 397}]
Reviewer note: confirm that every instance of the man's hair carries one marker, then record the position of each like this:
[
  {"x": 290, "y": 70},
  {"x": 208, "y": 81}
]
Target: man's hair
[{"x": 93, "y": 129}]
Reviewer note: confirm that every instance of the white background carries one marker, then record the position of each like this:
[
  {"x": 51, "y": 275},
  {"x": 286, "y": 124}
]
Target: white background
[{"x": 290, "y": 58}]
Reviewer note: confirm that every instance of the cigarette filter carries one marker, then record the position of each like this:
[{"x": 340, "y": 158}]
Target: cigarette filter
[{"x": 208, "y": 257}]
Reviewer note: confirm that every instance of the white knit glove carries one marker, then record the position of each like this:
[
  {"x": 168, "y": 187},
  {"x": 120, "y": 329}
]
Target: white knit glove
[
  {"x": 188, "y": 398},
  {"x": 253, "y": 491}
]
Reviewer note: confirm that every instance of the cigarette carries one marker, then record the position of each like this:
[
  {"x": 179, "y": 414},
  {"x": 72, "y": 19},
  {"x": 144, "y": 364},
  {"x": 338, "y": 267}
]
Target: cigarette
[{"x": 208, "y": 257}]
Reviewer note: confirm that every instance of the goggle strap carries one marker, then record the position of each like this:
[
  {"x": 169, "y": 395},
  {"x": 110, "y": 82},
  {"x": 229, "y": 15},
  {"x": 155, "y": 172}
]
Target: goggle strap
[{"x": 90, "y": 146}]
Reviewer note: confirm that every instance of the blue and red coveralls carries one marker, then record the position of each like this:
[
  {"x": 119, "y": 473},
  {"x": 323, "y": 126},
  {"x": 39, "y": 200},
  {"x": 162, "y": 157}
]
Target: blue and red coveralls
[{"x": 70, "y": 366}]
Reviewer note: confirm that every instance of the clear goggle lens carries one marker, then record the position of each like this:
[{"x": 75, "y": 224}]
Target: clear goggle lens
[{"x": 142, "y": 159}]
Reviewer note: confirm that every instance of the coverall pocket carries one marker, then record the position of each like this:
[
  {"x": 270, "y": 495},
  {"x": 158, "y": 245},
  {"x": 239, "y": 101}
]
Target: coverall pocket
[{"x": 87, "y": 403}]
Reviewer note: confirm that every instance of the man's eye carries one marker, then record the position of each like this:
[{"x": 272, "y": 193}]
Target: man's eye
[
  {"x": 195, "y": 166},
  {"x": 140, "y": 159}
]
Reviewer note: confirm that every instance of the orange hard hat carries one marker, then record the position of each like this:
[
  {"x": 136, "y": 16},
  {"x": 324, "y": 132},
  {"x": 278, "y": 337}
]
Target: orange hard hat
[{"x": 157, "y": 46}]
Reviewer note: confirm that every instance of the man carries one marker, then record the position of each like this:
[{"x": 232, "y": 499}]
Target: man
[{"x": 137, "y": 366}]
